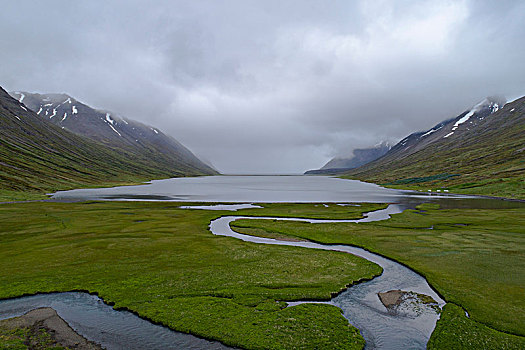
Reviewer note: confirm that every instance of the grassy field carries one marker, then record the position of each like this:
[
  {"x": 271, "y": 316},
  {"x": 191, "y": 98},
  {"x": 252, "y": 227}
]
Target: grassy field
[
  {"x": 456, "y": 331},
  {"x": 164, "y": 264},
  {"x": 474, "y": 258},
  {"x": 499, "y": 187}
]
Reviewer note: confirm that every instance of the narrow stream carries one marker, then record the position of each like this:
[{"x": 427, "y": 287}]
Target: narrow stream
[
  {"x": 115, "y": 330},
  {"x": 381, "y": 328},
  {"x": 90, "y": 317}
]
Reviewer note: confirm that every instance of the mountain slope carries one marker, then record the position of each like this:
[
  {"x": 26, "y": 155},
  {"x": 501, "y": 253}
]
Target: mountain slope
[
  {"x": 481, "y": 151},
  {"x": 145, "y": 142},
  {"x": 37, "y": 156},
  {"x": 360, "y": 156}
]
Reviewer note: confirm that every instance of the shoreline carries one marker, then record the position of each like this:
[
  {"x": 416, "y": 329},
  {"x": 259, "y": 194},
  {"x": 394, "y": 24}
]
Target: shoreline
[{"x": 44, "y": 327}]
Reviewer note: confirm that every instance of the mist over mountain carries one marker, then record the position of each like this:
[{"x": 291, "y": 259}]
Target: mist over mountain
[
  {"x": 268, "y": 86},
  {"x": 36, "y": 155},
  {"x": 113, "y": 130},
  {"x": 481, "y": 147},
  {"x": 359, "y": 157}
]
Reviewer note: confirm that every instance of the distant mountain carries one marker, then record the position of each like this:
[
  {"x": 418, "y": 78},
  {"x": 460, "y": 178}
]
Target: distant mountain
[
  {"x": 360, "y": 156},
  {"x": 447, "y": 130},
  {"x": 113, "y": 131},
  {"x": 36, "y": 155},
  {"x": 480, "y": 151}
]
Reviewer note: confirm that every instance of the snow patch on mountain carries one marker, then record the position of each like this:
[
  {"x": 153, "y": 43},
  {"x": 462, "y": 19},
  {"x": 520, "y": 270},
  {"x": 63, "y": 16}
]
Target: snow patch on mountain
[
  {"x": 431, "y": 131},
  {"x": 108, "y": 118},
  {"x": 115, "y": 130},
  {"x": 494, "y": 106},
  {"x": 110, "y": 123}
]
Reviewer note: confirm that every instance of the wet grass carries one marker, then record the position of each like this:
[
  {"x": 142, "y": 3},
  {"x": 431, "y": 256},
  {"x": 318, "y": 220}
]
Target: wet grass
[
  {"x": 474, "y": 258},
  {"x": 456, "y": 331},
  {"x": 162, "y": 263},
  {"x": 10, "y": 196},
  {"x": 25, "y": 338},
  {"x": 334, "y": 211}
]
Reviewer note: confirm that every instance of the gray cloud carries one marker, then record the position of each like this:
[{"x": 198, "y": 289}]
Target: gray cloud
[{"x": 269, "y": 86}]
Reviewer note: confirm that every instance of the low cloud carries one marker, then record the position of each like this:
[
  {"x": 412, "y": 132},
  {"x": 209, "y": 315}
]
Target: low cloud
[{"x": 267, "y": 86}]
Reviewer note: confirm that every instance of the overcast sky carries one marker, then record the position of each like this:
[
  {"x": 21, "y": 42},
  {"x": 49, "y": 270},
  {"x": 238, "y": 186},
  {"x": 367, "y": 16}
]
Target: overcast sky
[{"x": 269, "y": 86}]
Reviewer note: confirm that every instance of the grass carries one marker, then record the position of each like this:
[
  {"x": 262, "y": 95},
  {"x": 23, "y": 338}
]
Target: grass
[
  {"x": 10, "y": 196},
  {"x": 314, "y": 210},
  {"x": 164, "y": 264},
  {"x": 474, "y": 258},
  {"x": 38, "y": 157},
  {"x": 489, "y": 160},
  {"x": 416, "y": 180},
  {"x": 13, "y": 339},
  {"x": 26, "y": 338},
  {"x": 456, "y": 331},
  {"x": 499, "y": 187}
]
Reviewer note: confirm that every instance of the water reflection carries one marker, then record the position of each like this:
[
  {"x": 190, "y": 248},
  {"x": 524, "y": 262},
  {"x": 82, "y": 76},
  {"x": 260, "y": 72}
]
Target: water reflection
[{"x": 267, "y": 189}]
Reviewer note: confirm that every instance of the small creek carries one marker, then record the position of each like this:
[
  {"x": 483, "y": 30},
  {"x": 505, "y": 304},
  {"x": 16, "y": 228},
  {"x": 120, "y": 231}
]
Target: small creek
[
  {"x": 381, "y": 328},
  {"x": 89, "y": 316},
  {"x": 99, "y": 322}
]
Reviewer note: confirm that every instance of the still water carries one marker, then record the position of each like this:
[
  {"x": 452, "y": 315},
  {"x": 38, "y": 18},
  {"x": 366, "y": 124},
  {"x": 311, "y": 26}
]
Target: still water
[
  {"x": 242, "y": 189},
  {"x": 360, "y": 304},
  {"x": 273, "y": 189}
]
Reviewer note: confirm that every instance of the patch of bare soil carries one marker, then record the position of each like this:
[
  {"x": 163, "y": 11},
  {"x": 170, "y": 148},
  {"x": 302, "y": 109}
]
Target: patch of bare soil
[{"x": 57, "y": 333}]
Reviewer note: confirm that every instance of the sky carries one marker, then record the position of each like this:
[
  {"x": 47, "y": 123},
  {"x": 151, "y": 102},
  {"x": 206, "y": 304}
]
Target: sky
[{"x": 258, "y": 87}]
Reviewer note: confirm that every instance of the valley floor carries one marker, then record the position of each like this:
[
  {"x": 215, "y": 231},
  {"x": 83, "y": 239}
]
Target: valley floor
[{"x": 163, "y": 263}]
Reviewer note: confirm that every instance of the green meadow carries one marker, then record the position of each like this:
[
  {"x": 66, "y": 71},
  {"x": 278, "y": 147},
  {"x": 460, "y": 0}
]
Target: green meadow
[
  {"x": 164, "y": 264},
  {"x": 474, "y": 258}
]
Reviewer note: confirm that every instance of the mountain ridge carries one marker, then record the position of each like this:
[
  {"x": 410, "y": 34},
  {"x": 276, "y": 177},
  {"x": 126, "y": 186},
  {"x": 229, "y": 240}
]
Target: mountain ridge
[
  {"x": 360, "y": 156},
  {"x": 480, "y": 152},
  {"x": 112, "y": 130},
  {"x": 37, "y": 156}
]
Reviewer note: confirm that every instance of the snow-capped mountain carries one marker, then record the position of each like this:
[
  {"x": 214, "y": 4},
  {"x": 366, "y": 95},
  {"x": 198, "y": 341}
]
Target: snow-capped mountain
[
  {"x": 450, "y": 128},
  {"x": 111, "y": 130},
  {"x": 483, "y": 146},
  {"x": 38, "y": 156}
]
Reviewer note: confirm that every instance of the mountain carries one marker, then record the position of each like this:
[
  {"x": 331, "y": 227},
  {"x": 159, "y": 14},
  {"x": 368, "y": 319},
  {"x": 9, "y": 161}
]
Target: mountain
[
  {"x": 360, "y": 156},
  {"x": 481, "y": 151},
  {"x": 143, "y": 141},
  {"x": 37, "y": 156}
]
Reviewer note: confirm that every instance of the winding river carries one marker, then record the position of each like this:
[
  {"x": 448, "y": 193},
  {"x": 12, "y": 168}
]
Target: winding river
[{"x": 381, "y": 328}]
